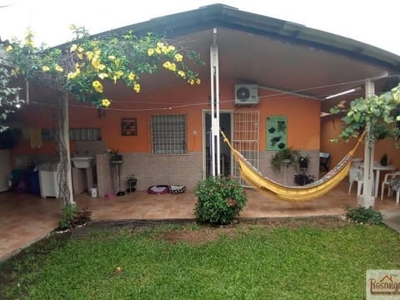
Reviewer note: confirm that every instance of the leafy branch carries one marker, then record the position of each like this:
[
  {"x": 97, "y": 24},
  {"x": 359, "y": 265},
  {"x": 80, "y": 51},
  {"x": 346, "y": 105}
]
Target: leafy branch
[{"x": 380, "y": 113}]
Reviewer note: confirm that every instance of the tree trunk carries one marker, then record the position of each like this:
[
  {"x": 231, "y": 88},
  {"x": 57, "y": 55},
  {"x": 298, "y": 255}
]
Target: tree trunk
[{"x": 64, "y": 174}]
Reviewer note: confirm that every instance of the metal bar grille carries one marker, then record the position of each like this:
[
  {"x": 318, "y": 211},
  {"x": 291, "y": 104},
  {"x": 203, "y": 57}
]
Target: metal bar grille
[
  {"x": 168, "y": 134},
  {"x": 246, "y": 138}
]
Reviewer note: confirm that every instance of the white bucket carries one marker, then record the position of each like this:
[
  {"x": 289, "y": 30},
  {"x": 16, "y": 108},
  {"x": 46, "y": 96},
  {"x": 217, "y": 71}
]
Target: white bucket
[{"x": 93, "y": 192}]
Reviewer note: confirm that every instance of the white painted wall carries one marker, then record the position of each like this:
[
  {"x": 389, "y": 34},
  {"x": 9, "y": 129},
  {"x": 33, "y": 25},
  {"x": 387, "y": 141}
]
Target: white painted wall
[{"x": 5, "y": 169}]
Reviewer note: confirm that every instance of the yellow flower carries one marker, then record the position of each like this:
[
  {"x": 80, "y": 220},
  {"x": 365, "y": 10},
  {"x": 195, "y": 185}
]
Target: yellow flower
[
  {"x": 167, "y": 65},
  {"x": 181, "y": 73},
  {"x": 178, "y": 57},
  {"x": 105, "y": 102},
  {"x": 172, "y": 67},
  {"x": 198, "y": 81},
  {"x": 102, "y": 75},
  {"x": 98, "y": 87},
  {"x": 72, "y": 75},
  {"x": 29, "y": 42},
  {"x": 150, "y": 52},
  {"x": 89, "y": 55},
  {"x": 158, "y": 50},
  {"x": 131, "y": 76},
  {"x": 45, "y": 69},
  {"x": 96, "y": 63},
  {"x": 136, "y": 87},
  {"x": 9, "y": 48},
  {"x": 111, "y": 57},
  {"x": 73, "y": 48},
  {"x": 80, "y": 49},
  {"x": 165, "y": 50},
  {"x": 117, "y": 62},
  {"x": 58, "y": 68},
  {"x": 117, "y": 75},
  {"x": 80, "y": 55},
  {"x": 171, "y": 48},
  {"x": 191, "y": 81},
  {"x": 160, "y": 44}
]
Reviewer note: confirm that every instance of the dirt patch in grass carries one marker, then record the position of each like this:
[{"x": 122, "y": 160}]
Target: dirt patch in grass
[
  {"x": 206, "y": 234},
  {"x": 196, "y": 237}
]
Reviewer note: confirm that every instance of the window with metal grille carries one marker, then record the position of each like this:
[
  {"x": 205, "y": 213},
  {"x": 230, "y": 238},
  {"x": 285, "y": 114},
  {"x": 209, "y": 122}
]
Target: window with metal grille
[{"x": 168, "y": 134}]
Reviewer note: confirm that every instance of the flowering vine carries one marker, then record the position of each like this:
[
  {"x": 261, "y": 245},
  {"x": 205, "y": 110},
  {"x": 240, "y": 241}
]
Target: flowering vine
[{"x": 84, "y": 66}]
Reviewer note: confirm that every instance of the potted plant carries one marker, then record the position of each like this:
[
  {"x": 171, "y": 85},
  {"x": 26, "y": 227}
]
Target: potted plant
[
  {"x": 303, "y": 178},
  {"x": 115, "y": 156},
  {"x": 132, "y": 181},
  {"x": 304, "y": 161},
  {"x": 287, "y": 156}
]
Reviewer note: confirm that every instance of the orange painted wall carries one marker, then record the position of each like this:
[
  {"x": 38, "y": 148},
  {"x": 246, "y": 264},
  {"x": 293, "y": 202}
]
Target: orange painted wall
[{"x": 302, "y": 116}]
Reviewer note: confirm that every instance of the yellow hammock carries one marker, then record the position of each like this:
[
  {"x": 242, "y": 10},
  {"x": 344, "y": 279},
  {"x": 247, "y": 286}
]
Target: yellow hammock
[{"x": 293, "y": 193}]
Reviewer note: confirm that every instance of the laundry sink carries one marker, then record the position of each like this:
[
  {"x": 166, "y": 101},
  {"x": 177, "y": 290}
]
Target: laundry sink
[{"x": 82, "y": 162}]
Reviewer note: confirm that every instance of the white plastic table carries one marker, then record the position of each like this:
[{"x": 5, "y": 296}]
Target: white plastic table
[{"x": 377, "y": 169}]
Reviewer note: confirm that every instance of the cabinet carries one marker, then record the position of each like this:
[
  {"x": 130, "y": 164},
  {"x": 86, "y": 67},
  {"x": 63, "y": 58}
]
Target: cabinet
[{"x": 48, "y": 180}]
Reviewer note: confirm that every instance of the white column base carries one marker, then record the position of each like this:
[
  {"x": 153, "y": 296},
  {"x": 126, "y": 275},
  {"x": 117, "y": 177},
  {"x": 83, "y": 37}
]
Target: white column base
[{"x": 366, "y": 201}]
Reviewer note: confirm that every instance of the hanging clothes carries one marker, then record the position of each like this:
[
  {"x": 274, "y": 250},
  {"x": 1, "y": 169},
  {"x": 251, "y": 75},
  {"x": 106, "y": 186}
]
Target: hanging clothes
[{"x": 35, "y": 137}]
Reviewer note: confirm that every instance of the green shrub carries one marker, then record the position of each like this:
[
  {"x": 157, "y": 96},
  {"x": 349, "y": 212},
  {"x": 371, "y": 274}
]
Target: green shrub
[
  {"x": 72, "y": 218},
  {"x": 363, "y": 215},
  {"x": 219, "y": 200}
]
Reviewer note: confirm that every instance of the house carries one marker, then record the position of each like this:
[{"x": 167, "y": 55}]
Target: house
[{"x": 272, "y": 78}]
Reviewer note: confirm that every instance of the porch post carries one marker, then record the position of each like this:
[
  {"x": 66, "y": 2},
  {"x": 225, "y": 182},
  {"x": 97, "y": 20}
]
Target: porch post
[
  {"x": 368, "y": 199},
  {"x": 215, "y": 141}
]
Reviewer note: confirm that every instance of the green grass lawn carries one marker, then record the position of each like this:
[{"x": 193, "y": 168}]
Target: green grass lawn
[{"x": 293, "y": 260}]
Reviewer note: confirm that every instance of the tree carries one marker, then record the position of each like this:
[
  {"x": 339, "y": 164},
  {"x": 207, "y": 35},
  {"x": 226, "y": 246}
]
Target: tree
[
  {"x": 9, "y": 100},
  {"x": 378, "y": 117},
  {"x": 83, "y": 68}
]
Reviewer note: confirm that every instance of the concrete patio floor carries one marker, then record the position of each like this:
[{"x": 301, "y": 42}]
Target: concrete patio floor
[{"x": 25, "y": 219}]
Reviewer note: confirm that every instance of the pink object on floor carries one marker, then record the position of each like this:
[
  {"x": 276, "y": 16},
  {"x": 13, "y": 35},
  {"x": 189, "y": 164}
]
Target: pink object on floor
[{"x": 110, "y": 196}]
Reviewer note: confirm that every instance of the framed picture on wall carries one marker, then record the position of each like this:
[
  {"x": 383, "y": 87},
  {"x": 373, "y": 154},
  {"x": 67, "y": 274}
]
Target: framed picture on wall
[
  {"x": 129, "y": 126},
  {"x": 276, "y": 133}
]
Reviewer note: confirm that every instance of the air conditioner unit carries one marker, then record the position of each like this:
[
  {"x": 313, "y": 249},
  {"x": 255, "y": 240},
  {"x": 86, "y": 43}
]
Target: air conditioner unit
[{"x": 246, "y": 94}]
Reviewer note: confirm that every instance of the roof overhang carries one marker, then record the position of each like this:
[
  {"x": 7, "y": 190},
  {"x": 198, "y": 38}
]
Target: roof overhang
[{"x": 272, "y": 53}]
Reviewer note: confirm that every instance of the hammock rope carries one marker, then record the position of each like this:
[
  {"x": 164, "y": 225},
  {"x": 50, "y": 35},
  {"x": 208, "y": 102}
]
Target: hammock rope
[{"x": 294, "y": 193}]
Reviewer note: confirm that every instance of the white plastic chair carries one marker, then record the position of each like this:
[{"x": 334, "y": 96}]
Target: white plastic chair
[
  {"x": 356, "y": 175},
  {"x": 386, "y": 181}
]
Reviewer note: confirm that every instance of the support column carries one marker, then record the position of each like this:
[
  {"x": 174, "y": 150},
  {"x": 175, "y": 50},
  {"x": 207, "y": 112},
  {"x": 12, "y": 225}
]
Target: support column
[
  {"x": 215, "y": 125},
  {"x": 367, "y": 199}
]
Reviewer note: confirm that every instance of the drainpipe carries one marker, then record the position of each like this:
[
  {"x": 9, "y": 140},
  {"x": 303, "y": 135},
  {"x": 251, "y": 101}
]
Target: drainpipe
[{"x": 215, "y": 124}]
